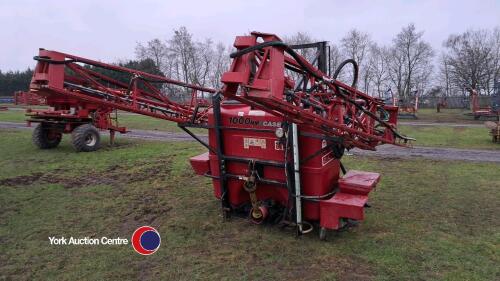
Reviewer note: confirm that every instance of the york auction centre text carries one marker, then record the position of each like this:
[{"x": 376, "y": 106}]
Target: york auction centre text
[{"x": 87, "y": 241}]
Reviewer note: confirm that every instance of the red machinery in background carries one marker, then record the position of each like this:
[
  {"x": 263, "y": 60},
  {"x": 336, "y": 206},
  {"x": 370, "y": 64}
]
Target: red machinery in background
[
  {"x": 83, "y": 99},
  {"x": 274, "y": 142},
  {"x": 492, "y": 110},
  {"x": 28, "y": 98},
  {"x": 407, "y": 107}
]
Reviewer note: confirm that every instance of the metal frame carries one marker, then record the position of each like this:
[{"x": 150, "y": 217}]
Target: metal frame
[{"x": 317, "y": 102}]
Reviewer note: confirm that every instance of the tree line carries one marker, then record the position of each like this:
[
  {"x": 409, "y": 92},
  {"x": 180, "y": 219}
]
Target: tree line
[
  {"x": 12, "y": 81},
  {"x": 407, "y": 65}
]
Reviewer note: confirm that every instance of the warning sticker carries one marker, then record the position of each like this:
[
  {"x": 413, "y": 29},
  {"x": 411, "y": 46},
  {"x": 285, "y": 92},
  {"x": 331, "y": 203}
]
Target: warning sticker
[
  {"x": 278, "y": 145},
  {"x": 327, "y": 158},
  {"x": 247, "y": 142}
]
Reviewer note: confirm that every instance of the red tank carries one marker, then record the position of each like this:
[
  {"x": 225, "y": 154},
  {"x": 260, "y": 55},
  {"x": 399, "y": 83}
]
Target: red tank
[
  {"x": 248, "y": 133},
  {"x": 319, "y": 175}
]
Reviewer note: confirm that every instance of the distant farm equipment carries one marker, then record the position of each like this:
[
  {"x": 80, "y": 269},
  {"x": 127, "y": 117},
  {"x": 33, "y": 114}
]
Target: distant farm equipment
[
  {"x": 28, "y": 98},
  {"x": 442, "y": 103},
  {"x": 407, "y": 107},
  {"x": 490, "y": 111},
  {"x": 494, "y": 130}
]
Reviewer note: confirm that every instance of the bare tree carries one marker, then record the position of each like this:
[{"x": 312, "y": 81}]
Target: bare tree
[
  {"x": 493, "y": 72},
  {"x": 335, "y": 58},
  {"x": 410, "y": 62},
  {"x": 356, "y": 45},
  {"x": 380, "y": 71},
  {"x": 220, "y": 65},
  {"x": 183, "y": 58},
  {"x": 302, "y": 38},
  {"x": 201, "y": 63},
  {"x": 309, "y": 54},
  {"x": 444, "y": 76},
  {"x": 334, "y": 53},
  {"x": 473, "y": 58},
  {"x": 182, "y": 50},
  {"x": 155, "y": 50}
]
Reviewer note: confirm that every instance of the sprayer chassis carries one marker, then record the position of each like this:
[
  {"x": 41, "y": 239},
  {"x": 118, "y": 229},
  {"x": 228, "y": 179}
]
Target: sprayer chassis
[{"x": 275, "y": 144}]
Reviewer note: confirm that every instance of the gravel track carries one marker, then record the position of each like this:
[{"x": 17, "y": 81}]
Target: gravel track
[{"x": 385, "y": 151}]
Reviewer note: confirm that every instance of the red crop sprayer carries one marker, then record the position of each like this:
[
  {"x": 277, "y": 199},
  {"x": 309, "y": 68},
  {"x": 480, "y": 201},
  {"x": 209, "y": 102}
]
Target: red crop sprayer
[{"x": 277, "y": 129}]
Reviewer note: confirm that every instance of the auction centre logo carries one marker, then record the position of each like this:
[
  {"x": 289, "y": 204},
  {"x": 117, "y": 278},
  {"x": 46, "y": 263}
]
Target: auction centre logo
[{"x": 145, "y": 240}]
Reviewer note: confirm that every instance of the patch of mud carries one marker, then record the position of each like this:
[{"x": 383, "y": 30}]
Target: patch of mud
[
  {"x": 459, "y": 129},
  {"x": 115, "y": 176},
  {"x": 144, "y": 210},
  {"x": 145, "y": 207},
  {"x": 354, "y": 269},
  {"x": 21, "y": 180}
]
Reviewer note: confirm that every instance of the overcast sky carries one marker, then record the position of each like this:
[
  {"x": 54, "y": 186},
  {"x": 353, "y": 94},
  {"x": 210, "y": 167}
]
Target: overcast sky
[{"x": 108, "y": 30}]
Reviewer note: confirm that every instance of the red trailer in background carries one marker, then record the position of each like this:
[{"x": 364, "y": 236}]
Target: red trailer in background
[
  {"x": 28, "y": 98},
  {"x": 490, "y": 111},
  {"x": 407, "y": 107},
  {"x": 275, "y": 143}
]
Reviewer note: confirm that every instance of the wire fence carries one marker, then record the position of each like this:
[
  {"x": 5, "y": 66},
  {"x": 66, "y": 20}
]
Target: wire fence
[{"x": 452, "y": 102}]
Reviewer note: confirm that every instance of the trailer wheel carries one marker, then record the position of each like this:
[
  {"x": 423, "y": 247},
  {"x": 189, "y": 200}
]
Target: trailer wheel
[
  {"x": 322, "y": 234},
  {"x": 85, "y": 138},
  {"x": 45, "y": 138}
]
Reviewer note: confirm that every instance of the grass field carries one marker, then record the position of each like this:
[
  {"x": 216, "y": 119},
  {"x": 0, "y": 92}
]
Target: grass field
[
  {"x": 430, "y": 220},
  {"x": 457, "y": 137},
  {"x": 445, "y": 116},
  {"x": 12, "y": 116}
]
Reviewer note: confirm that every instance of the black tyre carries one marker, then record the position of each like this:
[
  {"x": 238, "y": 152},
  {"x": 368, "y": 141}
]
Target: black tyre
[
  {"x": 46, "y": 138},
  {"x": 86, "y": 138}
]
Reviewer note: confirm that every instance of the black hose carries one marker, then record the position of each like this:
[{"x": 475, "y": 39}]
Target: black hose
[
  {"x": 257, "y": 47},
  {"x": 314, "y": 73},
  {"x": 355, "y": 71}
]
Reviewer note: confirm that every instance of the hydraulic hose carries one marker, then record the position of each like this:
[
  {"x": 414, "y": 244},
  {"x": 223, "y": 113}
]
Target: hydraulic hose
[
  {"x": 287, "y": 48},
  {"x": 355, "y": 71},
  {"x": 317, "y": 75}
]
